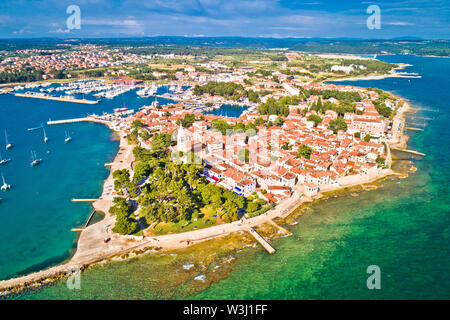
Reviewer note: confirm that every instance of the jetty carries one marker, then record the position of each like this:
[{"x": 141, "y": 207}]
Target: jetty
[
  {"x": 63, "y": 99},
  {"x": 417, "y": 153},
  {"x": 67, "y": 121},
  {"x": 413, "y": 129},
  {"x": 87, "y": 119},
  {"x": 262, "y": 241}
]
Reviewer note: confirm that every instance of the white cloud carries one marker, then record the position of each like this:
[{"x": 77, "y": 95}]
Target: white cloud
[
  {"x": 400, "y": 23},
  {"x": 59, "y": 30}
]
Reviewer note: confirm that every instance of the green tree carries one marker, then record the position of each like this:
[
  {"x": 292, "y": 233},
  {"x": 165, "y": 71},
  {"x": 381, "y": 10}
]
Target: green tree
[
  {"x": 136, "y": 124},
  {"x": 125, "y": 224},
  {"x": 252, "y": 207},
  {"x": 315, "y": 118},
  {"x": 304, "y": 151},
  {"x": 337, "y": 124},
  {"x": 380, "y": 161}
]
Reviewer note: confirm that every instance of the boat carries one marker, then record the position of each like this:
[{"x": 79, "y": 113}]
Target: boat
[
  {"x": 68, "y": 137},
  {"x": 45, "y": 137},
  {"x": 3, "y": 161},
  {"x": 8, "y": 145},
  {"x": 155, "y": 103},
  {"x": 31, "y": 129},
  {"x": 34, "y": 160},
  {"x": 4, "y": 186}
]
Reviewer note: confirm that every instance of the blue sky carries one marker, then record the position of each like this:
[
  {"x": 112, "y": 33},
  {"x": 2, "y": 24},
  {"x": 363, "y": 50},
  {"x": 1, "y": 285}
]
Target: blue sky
[{"x": 257, "y": 18}]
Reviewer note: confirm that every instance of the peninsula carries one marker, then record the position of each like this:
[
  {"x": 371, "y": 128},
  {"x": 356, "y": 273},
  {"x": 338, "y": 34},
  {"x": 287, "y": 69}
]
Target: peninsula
[{"x": 183, "y": 176}]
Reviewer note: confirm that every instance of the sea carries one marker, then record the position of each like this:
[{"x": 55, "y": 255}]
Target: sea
[
  {"x": 401, "y": 229},
  {"x": 36, "y": 214}
]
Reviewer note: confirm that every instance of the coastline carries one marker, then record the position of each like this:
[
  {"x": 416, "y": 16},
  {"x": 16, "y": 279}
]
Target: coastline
[
  {"x": 91, "y": 249},
  {"x": 391, "y": 74}
]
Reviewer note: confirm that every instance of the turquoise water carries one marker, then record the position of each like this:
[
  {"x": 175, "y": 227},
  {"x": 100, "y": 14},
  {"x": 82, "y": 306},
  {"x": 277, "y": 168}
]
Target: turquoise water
[
  {"x": 227, "y": 110},
  {"x": 36, "y": 214},
  {"x": 403, "y": 228}
]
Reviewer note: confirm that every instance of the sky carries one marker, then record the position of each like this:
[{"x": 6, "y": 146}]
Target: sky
[{"x": 214, "y": 18}]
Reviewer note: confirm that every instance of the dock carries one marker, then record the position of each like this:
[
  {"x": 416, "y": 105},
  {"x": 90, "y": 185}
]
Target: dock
[
  {"x": 62, "y": 99},
  {"x": 417, "y": 153},
  {"x": 413, "y": 129},
  {"x": 75, "y": 120},
  {"x": 262, "y": 241},
  {"x": 84, "y": 200},
  {"x": 66, "y": 121}
]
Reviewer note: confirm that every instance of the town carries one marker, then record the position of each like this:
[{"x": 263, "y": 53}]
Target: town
[{"x": 292, "y": 136}]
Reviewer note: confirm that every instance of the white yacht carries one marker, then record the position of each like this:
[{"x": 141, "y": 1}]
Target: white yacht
[
  {"x": 8, "y": 145},
  {"x": 4, "y": 186},
  {"x": 45, "y": 136},
  {"x": 68, "y": 137},
  {"x": 3, "y": 161}
]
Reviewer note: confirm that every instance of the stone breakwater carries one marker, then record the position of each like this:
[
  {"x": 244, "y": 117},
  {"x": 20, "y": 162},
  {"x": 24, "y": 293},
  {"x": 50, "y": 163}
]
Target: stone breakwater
[{"x": 47, "y": 277}]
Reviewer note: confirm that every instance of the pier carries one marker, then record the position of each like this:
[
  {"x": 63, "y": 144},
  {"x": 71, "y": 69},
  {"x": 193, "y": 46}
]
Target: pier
[
  {"x": 413, "y": 129},
  {"x": 262, "y": 241},
  {"x": 75, "y": 120},
  {"x": 62, "y": 99},
  {"x": 417, "y": 153},
  {"x": 67, "y": 121}
]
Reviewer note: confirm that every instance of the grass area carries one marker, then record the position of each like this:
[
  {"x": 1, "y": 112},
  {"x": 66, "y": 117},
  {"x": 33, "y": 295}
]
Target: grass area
[{"x": 207, "y": 218}]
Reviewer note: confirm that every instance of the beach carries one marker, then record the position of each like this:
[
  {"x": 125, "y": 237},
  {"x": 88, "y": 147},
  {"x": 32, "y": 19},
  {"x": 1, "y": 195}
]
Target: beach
[{"x": 392, "y": 74}]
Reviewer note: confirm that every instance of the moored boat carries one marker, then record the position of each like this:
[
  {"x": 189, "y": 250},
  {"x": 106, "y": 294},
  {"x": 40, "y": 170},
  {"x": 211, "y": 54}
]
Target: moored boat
[
  {"x": 4, "y": 186},
  {"x": 3, "y": 161},
  {"x": 34, "y": 160},
  {"x": 68, "y": 137},
  {"x": 8, "y": 145}
]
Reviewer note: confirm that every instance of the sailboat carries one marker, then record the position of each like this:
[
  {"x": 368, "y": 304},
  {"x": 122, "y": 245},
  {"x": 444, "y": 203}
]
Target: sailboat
[
  {"x": 3, "y": 161},
  {"x": 155, "y": 103},
  {"x": 34, "y": 160},
  {"x": 8, "y": 145},
  {"x": 68, "y": 137},
  {"x": 5, "y": 186},
  {"x": 45, "y": 137}
]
